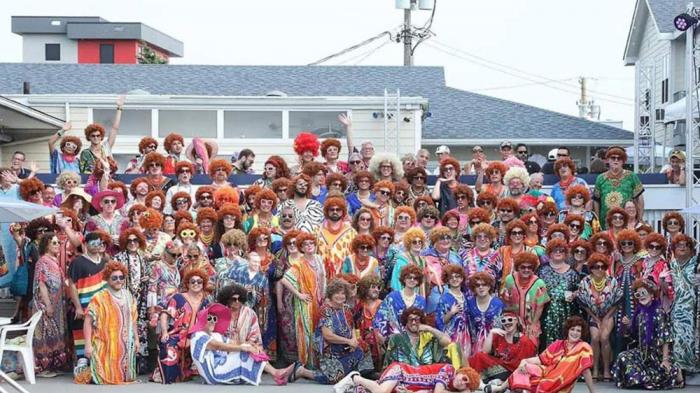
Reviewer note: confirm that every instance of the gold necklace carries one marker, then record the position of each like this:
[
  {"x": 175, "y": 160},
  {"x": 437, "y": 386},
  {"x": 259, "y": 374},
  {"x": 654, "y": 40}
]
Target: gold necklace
[
  {"x": 598, "y": 285},
  {"x": 206, "y": 239}
]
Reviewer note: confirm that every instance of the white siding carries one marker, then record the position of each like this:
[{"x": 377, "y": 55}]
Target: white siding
[{"x": 33, "y": 50}]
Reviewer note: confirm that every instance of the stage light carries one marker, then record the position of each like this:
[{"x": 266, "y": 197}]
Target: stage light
[{"x": 684, "y": 21}]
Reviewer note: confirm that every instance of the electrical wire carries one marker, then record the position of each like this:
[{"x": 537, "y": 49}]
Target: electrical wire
[
  {"x": 354, "y": 47},
  {"x": 491, "y": 67},
  {"x": 362, "y": 56},
  {"x": 425, "y": 31},
  {"x": 513, "y": 69},
  {"x": 370, "y": 53},
  {"x": 520, "y": 85}
]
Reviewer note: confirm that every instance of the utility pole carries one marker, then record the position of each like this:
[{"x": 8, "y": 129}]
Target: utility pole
[{"x": 407, "y": 55}]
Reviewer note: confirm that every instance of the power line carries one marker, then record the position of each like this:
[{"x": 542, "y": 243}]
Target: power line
[
  {"x": 362, "y": 56},
  {"x": 491, "y": 67},
  {"x": 600, "y": 93},
  {"x": 372, "y": 52},
  {"x": 519, "y": 85},
  {"x": 354, "y": 47}
]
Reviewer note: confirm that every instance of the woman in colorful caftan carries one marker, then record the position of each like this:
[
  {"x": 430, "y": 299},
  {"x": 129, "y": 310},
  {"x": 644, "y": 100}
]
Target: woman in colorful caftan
[
  {"x": 526, "y": 294},
  {"x": 360, "y": 262},
  {"x": 648, "y": 366},
  {"x": 110, "y": 330},
  {"x": 685, "y": 312},
  {"x": 503, "y": 350},
  {"x": 387, "y": 321},
  {"x": 174, "y": 361},
  {"x": 402, "y": 377},
  {"x": 483, "y": 310},
  {"x": 306, "y": 280},
  {"x": 598, "y": 295},
  {"x": 226, "y": 344},
  {"x": 451, "y": 314},
  {"x": 557, "y": 368},
  {"x": 414, "y": 242}
]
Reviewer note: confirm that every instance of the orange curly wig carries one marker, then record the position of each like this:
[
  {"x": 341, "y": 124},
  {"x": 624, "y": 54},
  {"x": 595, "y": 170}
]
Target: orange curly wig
[
  {"x": 92, "y": 128},
  {"x": 184, "y": 225},
  {"x": 616, "y": 150},
  {"x": 220, "y": 163},
  {"x": 564, "y": 161},
  {"x": 204, "y": 190},
  {"x": 75, "y": 140},
  {"x": 381, "y": 230},
  {"x": 124, "y": 237},
  {"x": 151, "y": 219},
  {"x": 184, "y": 164},
  {"x": 136, "y": 207},
  {"x": 496, "y": 166},
  {"x": 439, "y": 232},
  {"x": 281, "y": 165},
  {"x": 179, "y": 195},
  {"x": 135, "y": 183},
  {"x": 229, "y": 209},
  {"x": 670, "y": 216},
  {"x": 446, "y": 217},
  {"x": 571, "y": 217},
  {"x": 412, "y": 234},
  {"x": 405, "y": 210},
  {"x": 182, "y": 216},
  {"x": 557, "y": 243},
  {"x": 153, "y": 157},
  {"x": 206, "y": 213},
  {"x": 111, "y": 267},
  {"x": 145, "y": 142},
  {"x": 604, "y": 236},
  {"x": 473, "y": 377},
  {"x": 509, "y": 204},
  {"x": 581, "y": 243},
  {"x": 98, "y": 171},
  {"x": 479, "y": 213},
  {"x": 30, "y": 186},
  {"x": 655, "y": 238},
  {"x": 328, "y": 143},
  {"x": 335, "y": 202},
  {"x": 487, "y": 196},
  {"x": 517, "y": 223},
  {"x": 526, "y": 258},
  {"x": 119, "y": 186},
  {"x": 617, "y": 210},
  {"x": 155, "y": 194},
  {"x": 629, "y": 234},
  {"x": 578, "y": 189},
  {"x": 168, "y": 142},
  {"x": 104, "y": 236},
  {"x": 251, "y": 191},
  {"x": 265, "y": 194},
  {"x": 561, "y": 228},
  {"x": 195, "y": 273},
  {"x": 450, "y": 161},
  {"x": 306, "y": 141},
  {"x": 384, "y": 184},
  {"x": 224, "y": 195},
  {"x": 360, "y": 240},
  {"x": 486, "y": 228},
  {"x": 253, "y": 236},
  {"x": 682, "y": 237},
  {"x": 598, "y": 258},
  {"x": 547, "y": 207}
]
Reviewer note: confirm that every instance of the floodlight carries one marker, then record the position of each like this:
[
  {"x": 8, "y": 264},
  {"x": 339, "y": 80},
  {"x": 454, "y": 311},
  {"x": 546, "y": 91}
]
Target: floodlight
[
  {"x": 426, "y": 4},
  {"x": 403, "y": 4},
  {"x": 684, "y": 21}
]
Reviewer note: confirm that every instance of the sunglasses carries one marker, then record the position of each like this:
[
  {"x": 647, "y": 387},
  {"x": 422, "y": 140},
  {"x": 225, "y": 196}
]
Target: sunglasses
[
  {"x": 191, "y": 256},
  {"x": 419, "y": 177},
  {"x": 575, "y": 226},
  {"x": 364, "y": 247},
  {"x": 508, "y": 320},
  {"x": 96, "y": 243},
  {"x": 417, "y": 242},
  {"x": 505, "y": 211},
  {"x": 212, "y": 318},
  {"x": 598, "y": 267},
  {"x": 482, "y": 203},
  {"x": 517, "y": 233},
  {"x": 365, "y": 219},
  {"x": 154, "y": 165},
  {"x": 404, "y": 218},
  {"x": 430, "y": 216},
  {"x": 533, "y": 221},
  {"x": 480, "y": 284},
  {"x": 287, "y": 215},
  {"x": 196, "y": 281},
  {"x": 132, "y": 240},
  {"x": 461, "y": 197},
  {"x": 580, "y": 251},
  {"x": 117, "y": 278},
  {"x": 641, "y": 293},
  {"x": 655, "y": 247},
  {"x": 55, "y": 242},
  {"x": 355, "y": 162},
  {"x": 615, "y": 158},
  {"x": 550, "y": 214},
  {"x": 205, "y": 196},
  {"x": 335, "y": 209},
  {"x": 385, "y": 192},
  {"x": 526, "y": 267},
  {"x": 521, "y": 152},
  {"x": 109, "y": 201},
  {"x": 626, "y": 243},
  {"x": 281, "y": 190},
  {"x": 412, "y": 277},
  {"x": 601, "y": 243},
  {"x": 96, "y": 136},
  {"x": 618, "y": 217},
  {"x": 445, "y": 237},
  {"x": 673, "y": 222},
  {"x": 385, "y": 237},
  {"x": 236, "y": 299},
  {"x": 263, "y": 238},
  {"x": 475, "y": 222},
  {"x": 184, "y": 171}
]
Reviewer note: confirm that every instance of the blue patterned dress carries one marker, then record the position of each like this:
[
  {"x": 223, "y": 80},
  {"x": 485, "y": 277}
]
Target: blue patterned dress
[
  {"x": 481, "y": 322},
  {"x": 457, "y": 327},
  {"x": 387, "y": 321}
]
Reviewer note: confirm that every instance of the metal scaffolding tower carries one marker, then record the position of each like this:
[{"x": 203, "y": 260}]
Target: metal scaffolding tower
[
  {"x": 692, "y": 135},
  {"x": 644, "y": 119}
]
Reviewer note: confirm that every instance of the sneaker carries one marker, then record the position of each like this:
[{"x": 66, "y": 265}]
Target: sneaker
[
  {"x": 345, "y": 383},
  {"x": 46, "y": 374},
  {"x": 13, "y": 375}
]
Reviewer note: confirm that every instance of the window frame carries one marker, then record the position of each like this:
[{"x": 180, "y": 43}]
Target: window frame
[{"x": 54, "y": 46}]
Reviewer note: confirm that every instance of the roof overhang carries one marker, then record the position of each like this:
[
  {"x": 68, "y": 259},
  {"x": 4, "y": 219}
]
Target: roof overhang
[
  {"x": 125, "y": 31},
  {"x": 636, "y": 32},
  {"x": 23, "y": 122},
  {"x": 530, "y": 142}
]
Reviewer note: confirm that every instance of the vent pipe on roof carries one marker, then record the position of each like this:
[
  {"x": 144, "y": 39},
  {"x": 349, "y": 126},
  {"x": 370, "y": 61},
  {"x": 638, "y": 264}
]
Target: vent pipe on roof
[
  {"x": 25, "y": 88},
  {"x": 275, "y": 93}
]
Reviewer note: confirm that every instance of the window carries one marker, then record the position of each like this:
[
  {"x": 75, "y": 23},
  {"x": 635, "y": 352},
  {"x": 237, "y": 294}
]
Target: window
[
  {"x": 252, "y": 124},
  {"x": 106, "y": 54},
  {"x": 323, "y": 124},
  {"x": 187, "y": 123},
  {"x": 664, "y": 79},
  {"x": 134, "y": 121},
  {"x": 52, "y": 52}
]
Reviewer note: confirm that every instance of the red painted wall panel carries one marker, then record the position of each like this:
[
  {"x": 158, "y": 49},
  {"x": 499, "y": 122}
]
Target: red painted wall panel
[{"x": 124, "y": 51}]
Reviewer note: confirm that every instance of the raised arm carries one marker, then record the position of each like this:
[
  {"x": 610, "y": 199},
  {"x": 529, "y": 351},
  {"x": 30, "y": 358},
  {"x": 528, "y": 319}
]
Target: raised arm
[
  {"x": 58, "y": 135},
  {"x": 117, "y": 121},
  {"x": 345, "y": 120}
]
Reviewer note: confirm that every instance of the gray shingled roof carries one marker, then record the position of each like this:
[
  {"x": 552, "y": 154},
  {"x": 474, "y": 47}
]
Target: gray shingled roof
[
  {"x": 664, "y": 11},
  {"x": 456, "y": 114}
]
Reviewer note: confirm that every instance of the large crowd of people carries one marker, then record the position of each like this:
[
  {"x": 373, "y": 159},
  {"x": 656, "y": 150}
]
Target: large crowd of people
[{"x": 350, "y": 273}]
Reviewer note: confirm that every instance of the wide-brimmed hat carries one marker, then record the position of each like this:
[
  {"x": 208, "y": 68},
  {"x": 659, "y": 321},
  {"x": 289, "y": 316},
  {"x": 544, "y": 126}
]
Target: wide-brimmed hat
[
  {"x": 97, "y": 199},
  {"x": 77, "y": 191},
  {"x": 223, "y": 318},
  {"x": 211, "y": 147}
]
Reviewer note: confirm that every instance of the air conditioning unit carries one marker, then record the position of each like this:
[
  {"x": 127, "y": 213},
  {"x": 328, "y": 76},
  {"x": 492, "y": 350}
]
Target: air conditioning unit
[{"x": 678, "y": 95}]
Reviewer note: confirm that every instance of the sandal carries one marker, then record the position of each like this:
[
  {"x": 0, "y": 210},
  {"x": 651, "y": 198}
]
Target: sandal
[
  {"x": 280, "y": 380},
  {"x": 293, "y": 375}
]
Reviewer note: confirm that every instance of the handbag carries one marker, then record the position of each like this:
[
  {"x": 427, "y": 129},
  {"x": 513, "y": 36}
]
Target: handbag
[{"x": 20, "y": 281}]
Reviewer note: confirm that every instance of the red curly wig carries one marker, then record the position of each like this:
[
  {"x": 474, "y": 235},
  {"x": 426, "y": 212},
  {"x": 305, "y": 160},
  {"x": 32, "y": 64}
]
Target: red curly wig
[
  {"x": 508, "y": 204},
  {"x": 409, "y": 270},
  {"x": 646, "y": 284},
  {"x": 155, "y": 194},
  {"x": 496, "y": 166},
  {"x": 463, "y": 189},
  {"x": 145, "y": 142},
  {"x": 92, "y": 128},
  {"x": 655, "y": 238},
  {"x": 526, "y": 258},
  {"x": 206, "y": 213},
  {"x": 451, "y": 269},
  {"x": 571, "y": 217},
  {"x": 104, "y": 236},
  {"x": 223, "y": 195},
  {"x": 229, "y": 209},
  {"x": 629, "y": 234},
  {"x": 98, "y": 171},
  {"x": 337, "y": 177},
  {"x": 151, "y": 219},
  {"x": 672, "y": 215},
  {"x": 205, "y": 190},
  {"x": 450, "y": 161},
  {"x": 251, "y": 191},
  {"x": 312, "y": 168},
  {"x": 185, "y": 225},
  {"x": 616, "y": 151},
  {"x": 279, "y": 163},
  {"x": 682, "y": 237},
  {"x": 135, "y": 183},
  {"x": 561, "y": 228},
  {"x": 557, "y": 243},
  {"x": 289, "y": 236},
  {"x": 484, "y": 277},
  {"x": 124, "y": 238},
  {"x": 581, "y": 243},
  {"x": 473, "y": 378},
  {"x": 598, "y": 258},
  {"x": 486, "y": 228},
  {"x": 195, "y": 273},
  {"x": 184, "y": 164},
  {"x": 360, "y": 240},
  {"x": 179, "y": 195},
  {"x": 564, "y": 161},
  {"x": 136, "y": 208},
  {"x": 604, "y": 236},
  {"x": 306, "y": 141},
  {"x": 254, "y": 234},
  {"x": 526, "y": 218},
  {"x": 617, "y": 210},
  {"x": 382, "y": 230},
  {"x": 295, "y": 179},
  {"x": 446, "y": 217},
  {"x": 181, "y": 217},
  {"x": 115, "y": 185},
  {"x": 575, "y": 189},
  {"x": 220, "y": 163},
  {"x": 359, "y": 175},
  {"x": 335, "y": 201},
  {"x": 75, "y": 222},
  {"x": 405, "y": 210},
  {"x": 111, "y": 267},
  {"x": 328, "y": 143},
  {"x": 479, "y": 213},
  {"x": 151, "y": 158},
  {"x": 383, "y": 184},
  {"x": 168, "y": 142},
  {"x": 517, "y": 223},
  {"x": 437, "y": 233},
  {"x": 423, "y": 198},
  {"x": 73, "y": 139},
  {"x": 305, "y": 236},
  {"x": 487, "y": 196},
  {"x": 28, "y": 187},
  {"x": 280, "y": 183}
]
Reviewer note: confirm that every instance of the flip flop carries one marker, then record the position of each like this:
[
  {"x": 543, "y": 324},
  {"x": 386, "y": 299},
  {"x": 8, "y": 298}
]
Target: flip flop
[
  {"x": 293, "y": 375},
  {"x": 280, "y": 380}
]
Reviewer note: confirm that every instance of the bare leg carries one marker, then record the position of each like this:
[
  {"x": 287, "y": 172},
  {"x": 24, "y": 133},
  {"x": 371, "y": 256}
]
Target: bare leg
[
  {"x": 276, "y": 372},
  {"x": 303, "y": 372},
  {"x": 605, "y": 347},
  {"x": 373, "y": 386},
  {"x": 595, "y": 344}
]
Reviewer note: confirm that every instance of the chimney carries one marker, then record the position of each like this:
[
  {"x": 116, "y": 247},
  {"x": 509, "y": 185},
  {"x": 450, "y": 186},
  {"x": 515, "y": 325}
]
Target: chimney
[{"x": 25, "y": 88}]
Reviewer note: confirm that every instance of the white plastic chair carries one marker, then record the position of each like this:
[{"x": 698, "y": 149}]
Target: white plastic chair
[{"x": 25, "y": 349}]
